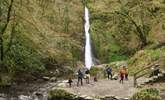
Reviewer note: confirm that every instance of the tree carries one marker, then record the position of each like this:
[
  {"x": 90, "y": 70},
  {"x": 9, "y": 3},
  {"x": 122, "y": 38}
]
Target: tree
[
  {"x": 66, "y": 19},
  {"x": 7, "y": 21},
  {"x": 138, "y": 19}
]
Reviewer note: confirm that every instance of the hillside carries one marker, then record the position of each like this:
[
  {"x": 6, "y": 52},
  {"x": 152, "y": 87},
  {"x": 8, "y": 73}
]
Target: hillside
[
  {"x": 120, "y": 28},
  {"x": 40, "y": 34}
]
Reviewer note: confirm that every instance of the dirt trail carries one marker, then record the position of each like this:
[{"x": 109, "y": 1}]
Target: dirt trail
[{"x": 104, "y": 87}]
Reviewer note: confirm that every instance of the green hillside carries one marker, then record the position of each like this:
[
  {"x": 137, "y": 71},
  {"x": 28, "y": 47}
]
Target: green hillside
[{"x": 120, "y": 28}]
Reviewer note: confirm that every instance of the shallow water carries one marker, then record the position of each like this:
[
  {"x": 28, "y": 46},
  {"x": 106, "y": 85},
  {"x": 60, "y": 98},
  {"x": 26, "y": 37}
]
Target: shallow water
[{"x": 33, "y": 92}]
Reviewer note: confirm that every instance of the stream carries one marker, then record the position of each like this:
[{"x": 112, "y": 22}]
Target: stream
[{"x": 36, "y": 91}]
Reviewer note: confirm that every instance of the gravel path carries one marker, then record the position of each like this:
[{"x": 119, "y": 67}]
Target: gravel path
[{"x": 104, "y": 88}]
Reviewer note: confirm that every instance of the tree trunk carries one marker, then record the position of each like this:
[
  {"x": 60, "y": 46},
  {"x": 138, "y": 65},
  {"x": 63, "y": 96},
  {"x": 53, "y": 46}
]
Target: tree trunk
[
  {"x": 4, "y": 29},
  {"x": 2, "y": 49}
]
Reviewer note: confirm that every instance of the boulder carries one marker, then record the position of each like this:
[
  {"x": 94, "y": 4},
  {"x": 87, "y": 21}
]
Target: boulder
[
  {"x": 46, "y": 78},
  {"x": 115, "y": 76},
  {"x": 61, "y": 85},
  {"x": 23, "y": 97},
  {"x": 53, "y": 79}
]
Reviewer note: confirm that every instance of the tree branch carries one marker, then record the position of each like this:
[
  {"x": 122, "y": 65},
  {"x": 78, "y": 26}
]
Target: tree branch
[{"x": 8, "y": 17}]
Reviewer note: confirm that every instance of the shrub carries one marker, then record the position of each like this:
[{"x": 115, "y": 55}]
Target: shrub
[
  {"x": 146, "y": 94},
  {"x": 95, "y": 70}
]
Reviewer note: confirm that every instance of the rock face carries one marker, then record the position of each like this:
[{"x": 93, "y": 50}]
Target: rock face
[{"x": 53, "y": 79}]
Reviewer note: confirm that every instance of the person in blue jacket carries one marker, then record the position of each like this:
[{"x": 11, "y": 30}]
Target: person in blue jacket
[{"x": 109, "y": 72}]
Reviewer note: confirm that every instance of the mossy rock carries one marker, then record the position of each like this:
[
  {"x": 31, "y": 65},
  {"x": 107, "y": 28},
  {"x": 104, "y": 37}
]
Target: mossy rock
[
  {"x": 59, "y": 94},
  {"x": 5, "y": 82}
]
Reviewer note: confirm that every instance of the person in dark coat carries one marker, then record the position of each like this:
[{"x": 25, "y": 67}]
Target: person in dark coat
[
  {"x": 70, "y": 82},
  {"x": 80, "y": 77}
]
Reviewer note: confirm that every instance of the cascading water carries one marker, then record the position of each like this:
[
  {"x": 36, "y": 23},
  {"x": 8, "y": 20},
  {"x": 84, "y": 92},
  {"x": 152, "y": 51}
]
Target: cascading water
[{"x": 88, "y": 52}]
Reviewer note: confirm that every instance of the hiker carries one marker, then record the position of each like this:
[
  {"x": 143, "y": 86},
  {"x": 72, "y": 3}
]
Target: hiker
[
  {"x": 109, "y": 72},
  {"x": 70, "y": 82},
  {"x": 125, "y": 72},
  {"x": 80, "y": 77},
  {"x": 87, "y": 74},
  {"x": 121, "y": 74}
]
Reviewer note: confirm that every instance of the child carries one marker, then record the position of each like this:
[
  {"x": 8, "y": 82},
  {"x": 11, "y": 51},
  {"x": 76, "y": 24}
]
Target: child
[
  {"x": 95, "y": 79},
  {"x": 70, "y": 82}
]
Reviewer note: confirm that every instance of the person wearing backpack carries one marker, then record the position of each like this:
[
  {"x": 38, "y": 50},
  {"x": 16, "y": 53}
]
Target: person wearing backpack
[
  {"x": 109, "y": 72},
  {"x": 80, "y": 77}
]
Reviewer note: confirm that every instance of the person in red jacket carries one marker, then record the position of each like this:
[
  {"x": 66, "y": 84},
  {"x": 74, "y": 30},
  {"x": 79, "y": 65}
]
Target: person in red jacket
[{"x": 121, "y": 74}]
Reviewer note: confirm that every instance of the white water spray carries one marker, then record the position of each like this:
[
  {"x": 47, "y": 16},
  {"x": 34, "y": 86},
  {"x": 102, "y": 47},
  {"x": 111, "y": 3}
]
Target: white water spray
[{"x": 88, "y": 53}]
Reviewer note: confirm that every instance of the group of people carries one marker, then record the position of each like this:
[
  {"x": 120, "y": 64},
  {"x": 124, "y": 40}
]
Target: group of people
[
  {"x": 123, "y": 75},
  {"x": 80, "y": 77}
]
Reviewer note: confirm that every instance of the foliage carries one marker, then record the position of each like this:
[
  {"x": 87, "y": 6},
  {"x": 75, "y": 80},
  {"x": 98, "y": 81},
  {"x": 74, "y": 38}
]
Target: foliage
[
  {"x": 146, "y": 94},
  {"x": 117, "y": 57},
  {"x": 123, "y": 27},
  {"x": 5, "y": 81},
  {"x": 60, "y": 94},
  {"x": 144, "y": 57},
  {"x": 95, "y": 70},
  {"x": 38, "y": 33},
  {"x": 22, "y": 56}
]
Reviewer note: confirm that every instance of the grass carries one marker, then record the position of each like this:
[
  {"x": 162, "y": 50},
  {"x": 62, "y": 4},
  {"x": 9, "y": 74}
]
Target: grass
[
  {"x": 146, "y": 94},
  {"x": 144, "y": 57}
]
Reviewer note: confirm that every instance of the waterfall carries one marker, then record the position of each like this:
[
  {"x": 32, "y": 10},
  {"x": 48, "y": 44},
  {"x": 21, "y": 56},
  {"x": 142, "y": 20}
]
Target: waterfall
[{"x": 88, "y": 52}]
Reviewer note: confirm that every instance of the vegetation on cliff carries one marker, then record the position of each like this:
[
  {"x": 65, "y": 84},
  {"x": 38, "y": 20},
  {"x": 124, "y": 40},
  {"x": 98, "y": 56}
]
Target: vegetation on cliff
[{"x": 119, "y": 28}]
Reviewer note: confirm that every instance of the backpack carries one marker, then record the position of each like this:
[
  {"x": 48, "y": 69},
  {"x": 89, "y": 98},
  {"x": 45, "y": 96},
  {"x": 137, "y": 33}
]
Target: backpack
[
  {"x": 109, "y": 70},
  {"x": 80, "y": 74}
]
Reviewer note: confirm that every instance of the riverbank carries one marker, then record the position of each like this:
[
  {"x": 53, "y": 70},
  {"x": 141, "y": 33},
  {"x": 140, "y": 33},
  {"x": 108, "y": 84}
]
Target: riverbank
[{"x": 36, "y": 90}]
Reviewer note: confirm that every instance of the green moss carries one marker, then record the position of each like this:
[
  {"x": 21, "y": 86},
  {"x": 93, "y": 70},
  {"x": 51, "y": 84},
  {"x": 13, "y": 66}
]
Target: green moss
[
  {"x": 5, "y": 80},
  {"x": 146, "y": 94},
  {"x": 59, "y": 94},
  {"x": 117, "y": 57}
]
